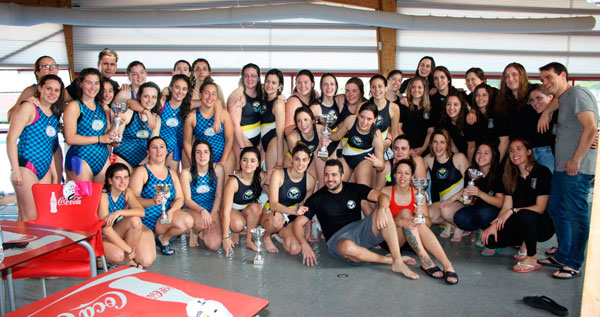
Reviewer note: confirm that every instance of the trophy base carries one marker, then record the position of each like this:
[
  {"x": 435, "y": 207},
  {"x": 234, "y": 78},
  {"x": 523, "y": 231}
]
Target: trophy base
[
  {"x": 165, "y": 221},
  {"x": 258, "y": 261},
  {"x": 419, "y": 220},
  {"x": 323, "y": 154}
]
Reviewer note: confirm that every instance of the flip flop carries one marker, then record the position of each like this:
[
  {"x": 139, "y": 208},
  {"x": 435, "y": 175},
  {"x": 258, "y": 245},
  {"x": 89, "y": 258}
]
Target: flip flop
[
  {"x": 448, "y": 275},
  {"x": 164, "y": 249},
  {"x": 525, "y": 268},
  {"x": 551, "y": 251},
  {"x": 551, "y": 262},
  {"x": 487, "y": 252},
  {"x": 572, "y": 274},
  {"x": 432, "y": 270},
  {"x": 544, "y": 302}
]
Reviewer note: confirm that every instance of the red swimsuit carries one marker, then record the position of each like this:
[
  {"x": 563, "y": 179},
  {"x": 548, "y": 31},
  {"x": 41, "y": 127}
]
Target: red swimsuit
[{"x": 395, "y": 208}]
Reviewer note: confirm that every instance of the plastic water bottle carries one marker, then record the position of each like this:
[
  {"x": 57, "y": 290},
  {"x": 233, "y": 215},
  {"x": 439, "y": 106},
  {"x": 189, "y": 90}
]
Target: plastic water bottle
[
  {"x": 53, "y": 203},
  {"x": 1, "y": 247}
]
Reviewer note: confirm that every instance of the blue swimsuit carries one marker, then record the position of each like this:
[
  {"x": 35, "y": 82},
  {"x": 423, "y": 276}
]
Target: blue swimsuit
[
  {"x": 250, "y": 121},
  {"x": 148, "y": 192},
  {"x": 89, "y": 123},
  {"x": 135, "y": 138},
  {"x": 203, "y": 191},
  {"x": 36, "y": 143},
  {"x": 268, "y": 125},
  {"x": 291, "y": 194},
  {"x": 204, "y": 131},
  {"x": 171, "y": 129},
  {"x": 357, "y": 146}
]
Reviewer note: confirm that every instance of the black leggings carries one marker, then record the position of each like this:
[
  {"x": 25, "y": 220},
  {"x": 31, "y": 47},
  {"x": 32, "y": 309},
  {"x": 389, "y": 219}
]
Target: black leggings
[{"x": 525, "y": 226}]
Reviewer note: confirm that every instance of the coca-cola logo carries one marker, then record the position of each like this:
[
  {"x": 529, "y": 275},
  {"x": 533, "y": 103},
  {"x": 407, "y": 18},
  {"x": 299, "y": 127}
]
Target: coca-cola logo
[
  {"x": 62, "y": 201},
  {"x": 159, "y": 292},
  {"x": 113, "y": 300}
]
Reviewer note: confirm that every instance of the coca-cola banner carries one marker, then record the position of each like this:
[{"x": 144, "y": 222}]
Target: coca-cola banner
[{"x": 129, "y": 291}]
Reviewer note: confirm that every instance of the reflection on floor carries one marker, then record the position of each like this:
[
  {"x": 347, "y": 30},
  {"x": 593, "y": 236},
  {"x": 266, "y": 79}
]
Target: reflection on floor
[{"x": 487, "y": 286}]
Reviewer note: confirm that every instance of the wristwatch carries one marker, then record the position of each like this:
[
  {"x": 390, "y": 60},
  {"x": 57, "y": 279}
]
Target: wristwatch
[{"x": 514, "y": 210}]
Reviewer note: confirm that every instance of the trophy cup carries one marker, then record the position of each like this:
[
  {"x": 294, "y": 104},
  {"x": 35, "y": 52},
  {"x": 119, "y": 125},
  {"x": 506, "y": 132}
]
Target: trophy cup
[
  {"x": 117, "y": 108},
  {"x": 165, "y": 190},
  {"x": 257, "y": 235},
  {"x": 474, "y": 174},
  {"x": 420, "y": 184},
  {"x": 326, "y": 120}
]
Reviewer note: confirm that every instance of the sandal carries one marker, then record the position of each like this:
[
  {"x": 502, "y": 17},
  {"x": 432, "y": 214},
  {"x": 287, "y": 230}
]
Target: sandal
[
  {"x": 525, "y": 268},
  {"x": 544, "y": 302},
  {"x": 479, "y": 243},
  {"x": 487, "y": 252},
  {"x": 550, "y": 261},
  {"x": 448, "y": 275},
  {"x": 551, "y": 250},
  {"x": 164, "y": 249},
  {"x": 432, "y": 270},
  {"x": 562, "y": 270}
]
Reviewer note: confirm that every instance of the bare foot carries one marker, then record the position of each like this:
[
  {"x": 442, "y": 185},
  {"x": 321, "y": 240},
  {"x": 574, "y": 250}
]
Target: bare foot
[
  {"x": 269, "y": 245},
  {"x": 235, "y": 237},
  {"x": 404, "y": 270},
  {"x": 193, "y": 242},
  {"x": 250, "y": 244},
  {"x": 458, "y": 234},
  {"x": 408, "y": 260},
  {"x": 447, "y": 232}
]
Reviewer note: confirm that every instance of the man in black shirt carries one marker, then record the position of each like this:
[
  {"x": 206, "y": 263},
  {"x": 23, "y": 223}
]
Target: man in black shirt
[{"x": 337, "y": 206}]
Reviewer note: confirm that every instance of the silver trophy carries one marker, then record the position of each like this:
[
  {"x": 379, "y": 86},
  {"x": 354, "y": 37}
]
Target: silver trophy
[
  {"x": 474, "y": 175},
  {"x": 165, "y": 190},
  {"x": 117, "y": 108},
  {"x": 257, "y": 236},
  {"x": 419, "y": 184},
  {"x": 326, "y": 120}
]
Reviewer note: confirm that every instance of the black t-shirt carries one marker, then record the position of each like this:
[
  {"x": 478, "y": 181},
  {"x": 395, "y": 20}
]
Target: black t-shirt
[
  {"x": 530, "y": 131},
  {"x": 484, "y": 185},
  {"x": 536, "y": 184},
  {"x": 72, "y": 89},
  {"x": 487, "y": 128},
  {"x": 415, "y": 124},
  {"x": 335, "y": 211},
  {"x": 457, "y": 135}
]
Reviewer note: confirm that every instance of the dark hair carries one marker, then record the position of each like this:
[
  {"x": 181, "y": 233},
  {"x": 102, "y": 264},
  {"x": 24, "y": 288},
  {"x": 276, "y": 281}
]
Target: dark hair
[
  {"x": 539, "y": 88},
  {"x": 505, "y": 95},
  {"x": 491, "y": 176},
  {"x": 373, "y": 78},
  {"x": 82, "y": 75},
  {"x": 157, "y": 106},
  {"x": 185, "y": 107},
  {"x": 301, "y": 147},
  {"x": 276, "y": 72},
  {"x": 408, "y": 162},
  {"x": 511, "y": 171},
  {"x": 477, "y": 71},
  {"x": 446, "y": 72},
  {"x": 337, "y": 86},
  {"x": 114, "y": 84},
  {"x": 430, "y": 76},
  {"x": 313, "y": 99},
  {"x": 111, "y": 171},
  {"x": 211, "y": 161},
  {"x": 462, "y": 115},
  {"x": 425, "y": 103},
  {"x": 304, "y": 109},
  {"x": 182, "y": 61},
  {"x": 133, "y": 64},
  {"x": 152, "y": 140},
  {"x": 256, "y": 188},
  {"x": 361, "y": 87},
  {"x": 200, "y": 60},
  {"x": 394, "y": 72},
  {"x": 206, "y": 84},
  {"x": 370, "y": 106},
  {"x": 57, "y": 106},
  {"x": 36, "y": 65},
  {"x": 402, "y": 137},
  {"x": 108, "y": 52},
  {"x": 335, "y": 162},
  {"x": 557, "y": 67},
  {"x": 491, "y": 100},
  {"x": 259, "y": 89}
]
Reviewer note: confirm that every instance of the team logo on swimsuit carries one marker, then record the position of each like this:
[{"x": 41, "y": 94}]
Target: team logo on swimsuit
[
  {"x": 142, "y": 134},
  {"x": 311, "y": 148},
  {"x": 426, "y": 115},
  {"x": 248, "y": 195},
  {"x": 379, "y": 120},
  {"x": 534, "y": 183},
  {"x": 293, "y": 193},
  {"x": 50, "y": 131},
  {"x": 332, "y": 113},
  {"x": 490, "y": 123},
  {"x": 172, "y": 122},
  {"x": 97, "y": 125},
  {"x": 555, "y": 129},
  {"x": 442, "y": 173},
  {"x": 257, "y": 107},
  {"x": 491, "y": 193},
  {"x": 351, "y": 204},
  {"x": 202, "y": 189},
  {"x": 357, "y": 141},
  {"x": 209, "y": 131}
]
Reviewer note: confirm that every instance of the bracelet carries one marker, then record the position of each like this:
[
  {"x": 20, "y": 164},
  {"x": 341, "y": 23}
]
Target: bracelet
[
  {"x": 98, "y": 139},
  {"x": 227, "y": 237}
]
